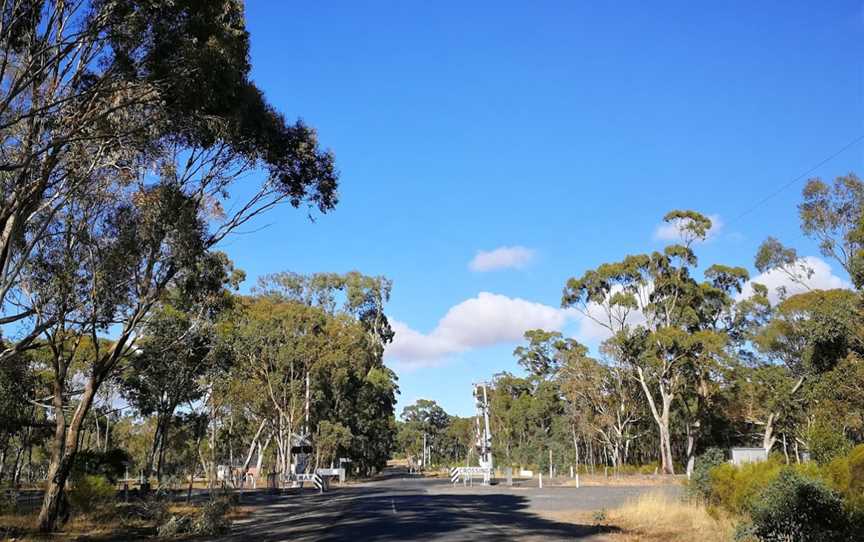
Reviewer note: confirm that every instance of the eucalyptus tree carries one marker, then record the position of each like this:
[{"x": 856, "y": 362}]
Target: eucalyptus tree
[
  {"x": 606, "y": 399},
  {"x": 545, "y": 352},
  {"x": 811, "y": 333},
  {"x": 114, "y": 171},
  {"x": 662, "y": 321},
  {"x": 173, "y": 354},
  {"x": 427, "y": 421},
  {"x": 278, "y": 343},
  {"x": 808, "y": 335},
  {"x": 357, "y": 295},
  {"x": 349, "y": 365}
]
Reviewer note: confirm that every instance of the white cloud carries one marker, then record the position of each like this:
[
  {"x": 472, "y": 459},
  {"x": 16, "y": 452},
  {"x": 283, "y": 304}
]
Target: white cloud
[
  {"x": 823, "y": 278},
  {"x": 486, "y": 320},
  {"x": 501, "y": 258},
  {"x": 493, "y": 319},
  {"x": 672, "y": 231}
]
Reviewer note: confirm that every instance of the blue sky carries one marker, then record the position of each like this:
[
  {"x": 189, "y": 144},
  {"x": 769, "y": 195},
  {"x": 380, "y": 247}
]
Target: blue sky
[{"x": 565, "y": 128}]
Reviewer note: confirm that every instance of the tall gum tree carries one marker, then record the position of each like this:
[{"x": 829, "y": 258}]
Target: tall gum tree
[
  {"x": 656, "y": 314},
  {"x": 125, "y": 127},
  {"x": 811, "y": 332}
]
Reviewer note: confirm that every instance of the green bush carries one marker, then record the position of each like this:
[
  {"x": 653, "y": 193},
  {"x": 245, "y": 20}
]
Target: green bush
[
  {"x": 846, "y": 475},
  {"x": 734, "y": 488},
  {"x": 91, "y": 492},
  {"x": 793, "y": 507},
  {"x": 827, "y": 442},
  {"x": 110, "y": 464},
  {"x": 649, "y": 469},
  {"x": 7, "y": 502},
  {"x": 700, "y": 481}
]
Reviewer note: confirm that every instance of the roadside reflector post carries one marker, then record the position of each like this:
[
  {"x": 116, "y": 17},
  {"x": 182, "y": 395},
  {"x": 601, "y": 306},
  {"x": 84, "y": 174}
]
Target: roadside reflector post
[{"x": 541, "y": 480}]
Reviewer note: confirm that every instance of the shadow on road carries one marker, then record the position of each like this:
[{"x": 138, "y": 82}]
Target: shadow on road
[{"x": 382, "y": 514}]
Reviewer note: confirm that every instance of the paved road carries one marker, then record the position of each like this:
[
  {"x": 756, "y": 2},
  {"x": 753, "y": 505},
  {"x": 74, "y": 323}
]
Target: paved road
[{"x": 403, "y": 508}]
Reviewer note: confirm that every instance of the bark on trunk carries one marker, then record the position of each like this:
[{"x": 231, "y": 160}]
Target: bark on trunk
[
  {"x": 254, "y": 444},
  {"x": 63, "y": 450},
  {"x": 661, "y": 417}
]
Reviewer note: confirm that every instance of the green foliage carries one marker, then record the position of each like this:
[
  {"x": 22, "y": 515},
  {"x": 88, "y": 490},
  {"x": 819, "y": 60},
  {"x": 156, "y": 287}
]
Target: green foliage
[
  {"x": 793, "y": 507},
  {"x": 805, "y": 501},
  {"x": 90, "y": 493},
  {"x": 735, "y": 487},
  {"x": 110, "y": 465},
  {"x": 331, "y": 438},
  {"x": 16, "y": 381},
  {"x": 846, "y": 475},
  {"x": 700, "y": 480},
  {"x": 827, "y": 441},
  {"x": 545, "y": 352}
]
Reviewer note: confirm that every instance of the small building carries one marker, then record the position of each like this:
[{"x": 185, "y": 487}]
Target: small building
[{"x": 748, "y": 455}]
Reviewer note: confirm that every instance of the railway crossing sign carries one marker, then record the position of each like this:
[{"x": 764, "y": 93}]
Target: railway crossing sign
[
  {"x": 467, "y": 474},
  {"x": 319, "y": 481}
]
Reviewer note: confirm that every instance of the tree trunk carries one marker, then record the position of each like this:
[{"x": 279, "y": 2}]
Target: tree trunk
[
  {"x": 2, "y": 462},
  {"x": 259, "y": 462},
  {"x": 107, "y": 433},
  {"x": 251, "y": 451},
  {"x": 661, "y": 417},
  {"x": 17, "y": 467},
  {"x": 576, "y": 447},
  {"x": 63, "y": 450},
  {"x": 768, "y": 438},
  {"x": 666, "y": 462},
  {"x": 691, "y": 451}
]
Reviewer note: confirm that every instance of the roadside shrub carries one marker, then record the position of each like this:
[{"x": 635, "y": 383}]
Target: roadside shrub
[
  {"x": 793, "y": 507},
  {"x": 648, "y": 469},
  {"x": 734, "y": 488},
  {"x": 700, "y": 480},
  {"x": 846, "y": 475},
  {"x": 7, "y": 502},
  {"x": 91, "y": 492},
  {"x": 174, "y": 526},
  {"x": 827, "y": 442},
  {"x": 110, "y": 464},
  {"x": 211, "y": 519}
]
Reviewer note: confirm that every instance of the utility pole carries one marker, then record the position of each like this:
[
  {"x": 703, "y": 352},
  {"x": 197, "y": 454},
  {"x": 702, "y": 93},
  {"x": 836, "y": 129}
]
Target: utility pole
[{"x": 482, "y": 430}]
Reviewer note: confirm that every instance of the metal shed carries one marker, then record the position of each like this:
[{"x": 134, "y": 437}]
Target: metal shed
[{"x": 748, "y": 455}]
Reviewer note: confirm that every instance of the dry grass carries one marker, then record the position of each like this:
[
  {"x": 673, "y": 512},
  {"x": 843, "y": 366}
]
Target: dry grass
[
  {"x": 623, "y": 480},
  {"x": 22, "y": 528},
  {"x": 655, "y": 517},
  {"x": 658, "y": 517},
  {"x": 108, "y": 527}
]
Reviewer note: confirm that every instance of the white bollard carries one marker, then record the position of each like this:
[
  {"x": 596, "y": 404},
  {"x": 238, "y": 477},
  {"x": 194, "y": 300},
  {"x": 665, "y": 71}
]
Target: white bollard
[
  {"x": 577, "y": 480},
  {"x": 541, "y": 480},
  {"x": 571, "y": 471}
]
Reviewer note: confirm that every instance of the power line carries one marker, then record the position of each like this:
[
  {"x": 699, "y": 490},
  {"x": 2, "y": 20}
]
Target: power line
[{"x": 777, "y": 192}]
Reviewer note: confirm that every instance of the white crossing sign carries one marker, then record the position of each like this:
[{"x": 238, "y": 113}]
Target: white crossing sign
[
  {"x": 468, "y": 473},
  {"x": 332, "y": 472},
  {"x": 319, "y": 482}
]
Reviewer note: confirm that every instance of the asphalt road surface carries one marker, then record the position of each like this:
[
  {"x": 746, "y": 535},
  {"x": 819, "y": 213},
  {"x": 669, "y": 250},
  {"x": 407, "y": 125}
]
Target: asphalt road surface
[{"x": 399, "y": 507}]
